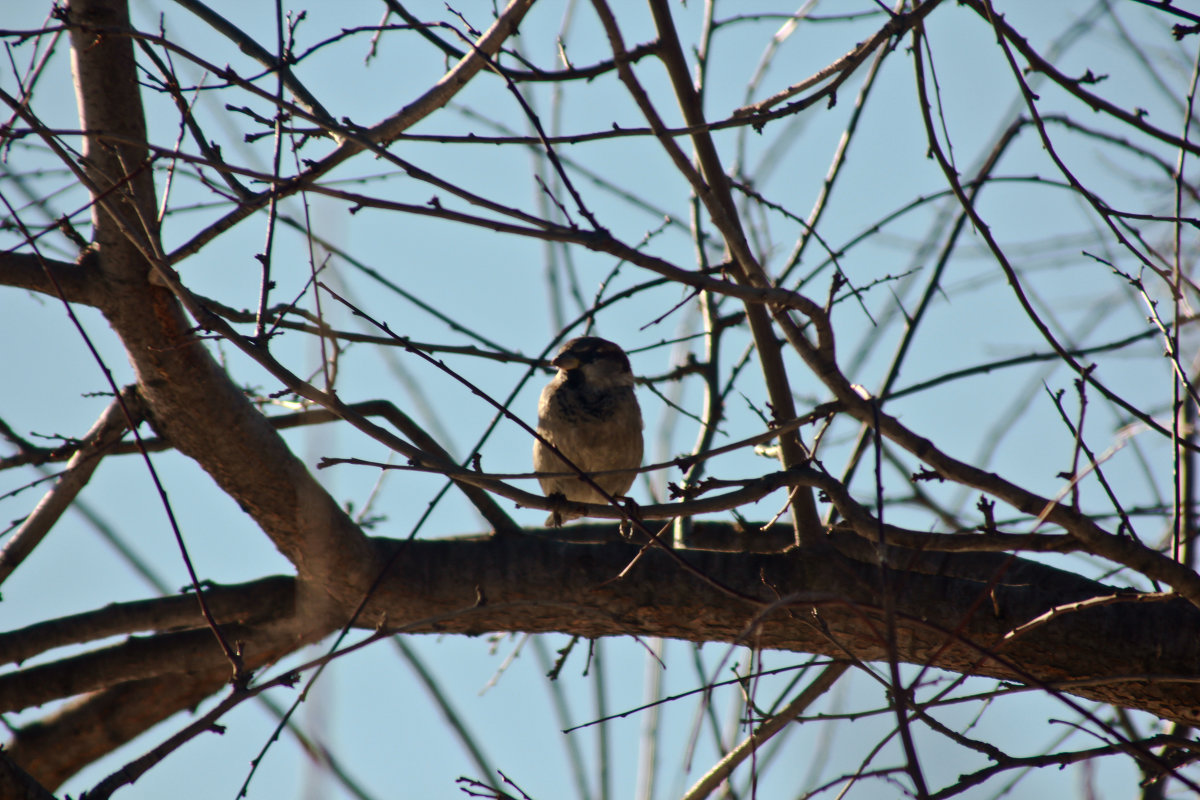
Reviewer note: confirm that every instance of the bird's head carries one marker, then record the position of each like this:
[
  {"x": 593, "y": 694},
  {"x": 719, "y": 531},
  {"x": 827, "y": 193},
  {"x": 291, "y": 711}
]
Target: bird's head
[{"x": 594, "y": 362}]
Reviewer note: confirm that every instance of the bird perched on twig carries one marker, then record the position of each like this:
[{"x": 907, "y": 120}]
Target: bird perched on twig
[{"x": 589, "y": 413}]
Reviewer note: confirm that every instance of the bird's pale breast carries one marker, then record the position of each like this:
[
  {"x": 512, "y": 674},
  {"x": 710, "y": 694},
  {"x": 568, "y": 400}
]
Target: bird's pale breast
[{"x": 598, "y": 431}]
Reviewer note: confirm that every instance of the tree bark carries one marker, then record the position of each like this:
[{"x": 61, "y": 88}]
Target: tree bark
[{"x": 953, "y": 611}]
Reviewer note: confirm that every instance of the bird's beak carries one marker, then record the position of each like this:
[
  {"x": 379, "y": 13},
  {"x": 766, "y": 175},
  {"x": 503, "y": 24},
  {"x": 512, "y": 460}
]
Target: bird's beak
[{"x": 566, "y": 361}]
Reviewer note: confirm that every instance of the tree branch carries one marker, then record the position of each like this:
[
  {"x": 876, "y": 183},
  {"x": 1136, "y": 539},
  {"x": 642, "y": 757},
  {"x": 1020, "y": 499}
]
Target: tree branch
[
  {"x": 940, "y": 622},
  {"x": 107, "y": 431},
  {"x": 28, "y": 271},
  {"x": 247, "y": 603}
]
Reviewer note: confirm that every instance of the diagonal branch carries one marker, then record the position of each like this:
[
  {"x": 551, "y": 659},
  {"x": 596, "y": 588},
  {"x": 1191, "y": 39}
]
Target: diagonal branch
[
  {"x": 746, "y": 748},
  {"x": 106, "y": 432},
  {"x": 383, "y": 132},
  {"x": 246, "y": 603},
  {"x": 711, "y": 185},
  {"x": 186, "y": 392}
]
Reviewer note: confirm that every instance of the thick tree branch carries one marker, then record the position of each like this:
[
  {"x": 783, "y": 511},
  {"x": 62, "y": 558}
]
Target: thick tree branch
[
  {"x": 816, "y": 603},
  {"x": 136, "y": 658},
  {"x": 109, "y": 100},
  {"x": 246, "y": 603},
  {"x": 187, "y": 394},
  {"x": 17, "y": 784},
  {"x": 97, "y": 724},
  {"x": 145, "y": 693},
  {"x": 953, "y": 612},
  {"x": 28, "y": 271}
]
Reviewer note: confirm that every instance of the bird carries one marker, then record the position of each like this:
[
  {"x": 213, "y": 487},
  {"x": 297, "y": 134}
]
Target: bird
[{"x": 590, "y": 414}]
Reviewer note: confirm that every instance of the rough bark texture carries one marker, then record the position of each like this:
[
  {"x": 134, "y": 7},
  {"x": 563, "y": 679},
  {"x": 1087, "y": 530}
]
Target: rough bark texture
[
  {"x": 951, "y": 611},
  {"x": 186, "y": 392},
  {"x": 96, "y": 725},
  {"x": 126, "y": 705},
  {"x": 816, "y": 602}
]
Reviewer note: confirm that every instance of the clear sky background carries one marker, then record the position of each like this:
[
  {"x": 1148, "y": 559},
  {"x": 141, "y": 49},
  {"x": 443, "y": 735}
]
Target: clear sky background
[{"x": 370, "y": 709}]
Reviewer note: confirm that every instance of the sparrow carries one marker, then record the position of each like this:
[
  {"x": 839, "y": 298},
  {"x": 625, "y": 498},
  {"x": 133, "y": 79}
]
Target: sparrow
[{"x": 590, "y": 414}]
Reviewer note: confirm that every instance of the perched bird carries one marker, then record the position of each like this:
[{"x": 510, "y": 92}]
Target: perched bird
[{"x": 590, "y": 414}]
